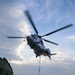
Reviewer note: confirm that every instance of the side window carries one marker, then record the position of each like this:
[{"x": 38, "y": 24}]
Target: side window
[{"x": 35, "y": 37}]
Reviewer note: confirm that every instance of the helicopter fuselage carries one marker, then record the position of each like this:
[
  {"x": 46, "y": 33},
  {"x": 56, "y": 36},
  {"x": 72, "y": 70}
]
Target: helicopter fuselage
[{"x": 36, "y": 43}]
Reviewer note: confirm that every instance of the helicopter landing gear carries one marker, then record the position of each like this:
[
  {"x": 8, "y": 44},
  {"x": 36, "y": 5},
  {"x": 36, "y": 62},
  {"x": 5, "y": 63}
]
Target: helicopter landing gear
[{"x": 36, "y": 56}]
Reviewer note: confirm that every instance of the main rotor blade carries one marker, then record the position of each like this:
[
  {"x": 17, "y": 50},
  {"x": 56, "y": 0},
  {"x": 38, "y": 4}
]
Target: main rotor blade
[
  {"x": 58, "y": 30},
  {"x": 15, "y": 37},
  {"x": 30, "y": 19},
  {"x": 50, "y": 42}
]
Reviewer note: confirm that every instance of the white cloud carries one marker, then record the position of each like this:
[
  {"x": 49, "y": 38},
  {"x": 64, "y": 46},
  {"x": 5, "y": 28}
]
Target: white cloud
[
  {"x": 17, "y": 11},
  {"x": 19, "y": 49},
  {"x": 24, "y": 27},
  {"x": 70, "y": 38},
  {"x": 64, "y": 57}
]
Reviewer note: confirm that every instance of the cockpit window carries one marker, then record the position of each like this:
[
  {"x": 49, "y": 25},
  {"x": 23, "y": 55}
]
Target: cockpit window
[{"x": 34, "y": 36}]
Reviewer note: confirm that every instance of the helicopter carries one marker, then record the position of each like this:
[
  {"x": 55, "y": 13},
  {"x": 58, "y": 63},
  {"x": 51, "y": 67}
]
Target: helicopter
[{"x": 35, "y": 41}]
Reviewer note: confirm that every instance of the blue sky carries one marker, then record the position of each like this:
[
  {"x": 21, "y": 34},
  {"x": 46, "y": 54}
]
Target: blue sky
[{"x": 47, "y": 15}]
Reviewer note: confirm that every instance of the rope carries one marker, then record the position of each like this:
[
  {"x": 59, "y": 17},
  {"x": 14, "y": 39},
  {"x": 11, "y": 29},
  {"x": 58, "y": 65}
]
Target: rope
[{"x": 39, "y": 65}]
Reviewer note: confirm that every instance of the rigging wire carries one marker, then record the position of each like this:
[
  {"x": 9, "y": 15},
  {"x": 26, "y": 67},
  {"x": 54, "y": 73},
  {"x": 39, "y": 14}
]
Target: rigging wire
[{"x": 39, "y": 65}]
